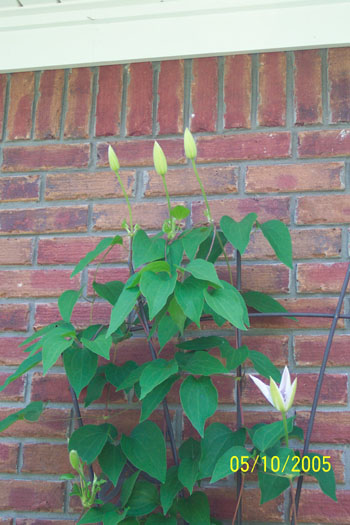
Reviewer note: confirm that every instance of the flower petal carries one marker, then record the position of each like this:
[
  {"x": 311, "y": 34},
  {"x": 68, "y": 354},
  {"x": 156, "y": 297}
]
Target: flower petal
[
  {"x": 265, "y": 390},
  {"x": 285, "y": 381},
  {"x": 277, "y": 398},
  {"x": 291, "y": 395}
]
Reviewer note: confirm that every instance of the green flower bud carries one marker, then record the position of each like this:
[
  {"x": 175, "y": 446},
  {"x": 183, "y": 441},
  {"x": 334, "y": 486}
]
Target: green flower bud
[
  {"x": 74, "y": 459},
  {"x": 190, "y": 145},
  {"x": 159, "y": 160},
  {"x": 113, "y": 159}
]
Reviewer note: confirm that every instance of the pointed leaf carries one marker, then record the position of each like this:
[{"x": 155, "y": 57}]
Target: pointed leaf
[
  {"x": 238, "y": 233},
  {"x": 152, "y": 400},
  {"x": 112, "y": 461},
  {"x": 192, "y": 239},
  {"x": 263, "y": 303},
  {"x": 199, "y": 399},
  {"x": 326, "y": 480},
  {"x": 227, "y": 302},
  {"x": 222, "y": 468},
  {"x": 277, "y": 233},
  {"x": 90, "y": 256},
  {"x": 146, "y": 250},
  {"x": 66, "y": 303},
  {"x": 204, "y": 270},
  {"x": 128, "y": 487},
  {"x": 264, "y": 366},
  {"x": 188, "y": 473},
  {"x": 95, "y": 389},
  {"x": 215, "y": 248},
  {"x": 271, "y": 486},
  {"x": 31, "y": 412},
  {"x": 169, "y": 489},
  {"x": 54, "y": 344},
  {"x": 167, "y": 329},
  {"x": 190, "y": 297},
  {"x": 155, "y": 373},
  {"x": 80, "y": 365},
  {"x": 203, "y": 363},
  {"x": 267, "y": 435},
  {"x": 24, "y": 367},
  {"x": 122, "y": 308},
  {"x": 89, "y": 441},
  {"x": 100, "y": 346},
  {"x": 109, "y": 291},
  {"x": 195, "y": 509},
  {"x": 157, "y": 287},
  {"x": 144, "y": 498},
  {"x": 234, "y": 356}
]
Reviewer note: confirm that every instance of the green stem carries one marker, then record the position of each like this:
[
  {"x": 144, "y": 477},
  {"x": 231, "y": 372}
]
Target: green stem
[
  {"x": 127, "y": 200},
  {"x": 285, "y": 428},
  {"x": 210, "y": 219},
  {"x": 167, "y": 194}
]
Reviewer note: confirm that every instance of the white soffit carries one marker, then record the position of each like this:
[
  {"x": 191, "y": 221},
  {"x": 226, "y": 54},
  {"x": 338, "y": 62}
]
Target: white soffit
[{"x": 48, "y": 34}]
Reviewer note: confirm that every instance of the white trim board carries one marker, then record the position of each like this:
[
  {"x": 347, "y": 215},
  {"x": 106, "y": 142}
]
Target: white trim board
[{"x": 45, "y": 34}]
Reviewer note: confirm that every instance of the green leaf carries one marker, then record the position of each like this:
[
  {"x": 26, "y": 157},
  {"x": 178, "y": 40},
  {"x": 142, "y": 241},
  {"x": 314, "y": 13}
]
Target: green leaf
[
  {"x": 278, "y": 235},
  {"x": 238, "y": 233},
  {"x": 205, "y": 271},
  {"x": 112, "y": 461},
  {"x": 127, "y": 488},
  {"x": 199, "y": 399},
  {"x": 223, "y": 464},
  {"x": 264, "y": 366},
  {"x": 90, "y": 256},
  {"x": 167, "y": 329},
  {"x": 217, "y": 318},
  {"x": 95, "y": 389},
  {"x": 216, "y": 248},
  {"x": 109, "y": 291},
  {"x": 155, "y": 267},
  {"x": 152, "y": 400},
  {"x": 144, "y": 498},
  {"x": 263, "y": 303},
  {"x": 31, "y": 412},
  {"x": 80, "y": 365},
  {"x": 157, "y": 287},
  {"x": 227, "y": 302},
  {"x": 189, "y": 295},
  {"x": 107, "y": 514},
  {"x": 159, "y": 519},
  {"x": 195, "y": 509},
  {"x": 146, "y": 250},
  {"x": 283, "y": 467},
  {"x": 132, "y": 377},
  {"x": 155, "y": 373},
  {"x": 268, "y": 435},
  {"x": 190, "y": 449},
  {"x": 192, "y": 239},
  {"x": 66, "y": 303},
  {"x": 41, "y": 332},
  {"x": 177, "y": 314},
  {"x": 145, "y": 448},
  {"x": 179, "y": 212},
  {"x": 89, "y": 440},
  {"x": 326, "y": 480},
  {"x": 271, "y": 486},
  {"x": 188, "y": 473},
  {"x": 203, "y": 363},
  {"x": 203, "y": 343},
  {"x": 100, "y": 346},
  {"x": 297, "y": 432},
  {"x": 26, "y": 365},
  {"x": 116, "y": 375},
  {"x": 122, "y": 307},
  {"x": 175, "y": 252},
  {"x": 169, "y": 489},
  {"x": 234, "y": 356},
  {"x": 54, "y": 344}
]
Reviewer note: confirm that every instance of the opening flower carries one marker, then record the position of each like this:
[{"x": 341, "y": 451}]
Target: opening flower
[{"x": 281, "y": 397}]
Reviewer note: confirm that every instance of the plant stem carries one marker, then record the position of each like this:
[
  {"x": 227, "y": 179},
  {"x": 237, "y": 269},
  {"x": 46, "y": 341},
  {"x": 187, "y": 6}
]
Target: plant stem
[
  {"x": 226, "y": 258},
  {"x": 127, "y": 200},
  {"x": 238, "y": 501},
  {"x": 210, "y": 219},
  {"x": 294, "y": 510},
  {"x": 285, "y": 428},
  {"x": 167, "y": 194}
]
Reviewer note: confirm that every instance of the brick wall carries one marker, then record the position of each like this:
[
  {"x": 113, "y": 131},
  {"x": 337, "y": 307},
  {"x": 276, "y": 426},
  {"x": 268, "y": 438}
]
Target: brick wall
[{"x": 273, "y": 135}]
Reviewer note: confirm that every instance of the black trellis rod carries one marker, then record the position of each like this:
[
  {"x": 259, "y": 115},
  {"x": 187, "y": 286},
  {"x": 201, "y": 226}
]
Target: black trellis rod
[
  {"x": 320, "y": 381},
  {"x": 239, "y": 393}
]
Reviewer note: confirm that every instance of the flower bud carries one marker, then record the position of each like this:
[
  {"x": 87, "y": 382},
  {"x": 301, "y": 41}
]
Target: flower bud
[
  {"x": 190, "y": 145},
  {"x": 159, "y": 160},
  {"x": 113, "y": 159},
  {"x": 74, "y": 459}
]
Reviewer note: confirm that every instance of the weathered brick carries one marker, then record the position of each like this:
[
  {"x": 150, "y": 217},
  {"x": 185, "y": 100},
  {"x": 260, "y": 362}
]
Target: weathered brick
[
  {"x": 325, "y": 143},
  {"x": 3, "y": 86},
  {"x": 106, "y": 274},
  {"x": 8, "y": 457},
  {"x": 339, "y": 78},
  {"x": 140, "y": 99},
  {"x": 295, "y": 177},
  {"x": 216, "y": 179},
  {"x": 44, "y": 220},
  {"x": 309, "y": 350},
  {"x": 272, "y": 89},
  {"x": 98, "y": 185},
  {"x": 36, "y": 283},
  {"x": 109, "y": 98},
  {"x": 328, "y": 426},
  {"x": 69, "y": 250},
  {"x": 170, "y": 96},
  {"x": 19, "y": 188},
  {"x": 237, "y": 91},
  {"x": 54, "y": 459},
  {"x": 321, "y": 278},
  {"x": 263, "y": 277},
  {"x": 19, "y": 120},
  {"x": 14, "y": 317},
  {"x": 48, "y": 313},
  {"x": 14, "y": 391},
  {"x": 274, "y": 346},
  {"x": 79, "y": 103},
  {"x": 267, "y": 208},
  {"x": 43, "y": 158},
  {"x": 204, "y": 94},
  {"x": 323, "y": 209},
  {"x": 53, "y": 423},
  {"x": 140, "y": 153},
  {"x": 31, "y": 495},
  {"x": 318, "y": 243},
  {"x": 317, "y": 507},
  {"x": 49, "y": 108},
  {"x": 245, "y": 146},
  {"x": 308, "y": 87},
  {"x": 16, "y": 251},
  {"x": 147, "y": 215},
  {"x": 10, "y": 352}
]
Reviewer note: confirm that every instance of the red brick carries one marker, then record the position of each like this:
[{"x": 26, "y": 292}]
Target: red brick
[
  {"x": 321, "y": 278},
  {"x": 10, "y": 351},
  {"x": 183, "y": 181},
  {"x": 274, "y": 346},
  {"x": 263, "y": 277},
  {"x": 19, "y": 188},
  {"x": 317, "y": 507},
  {"x": 295, "y": 177},
  {"x": 98, "y": 185},
  {"x": 267, "y": 208},
  {"x": 308, "y": 87},
  {"x": 237, "y": 91},
  {"x": 16, "y": 251},
  {"x": 3, "y": 85},
  {"x": 147, "y": 215},
  {"x": 34, "y": 521},
  {"x": 14, "y": 391},
  {"x": 14, "y": 317},
  {"x": 44, "y": 220},
  {"x": 31, "y": 495},
  {"x": 245, "y": 146},
  {"x": 204, "y": 94},
  {"x": 106, "y": 274},
  {"x": 329, "y": 427},
  {"x": 8, "y": 458},
  {"x": 48, "y": 111},
  {"x": 272, "y": 89},
  {"x": 19, "y": 120},
  {"x": 336, "y": 460},
  {"x": 171, "y": 96},
  {"x": 36, "y": 283},
  {"x": 140, "y": 153},
  {"x": 320, "y": 243},
  {"x": 54, "y": 459},
  {"x": 53, "y": 423},
  {"x": 323, "y": 209},
  {"x": 48, "y": 313},
  {"x": 69, "y": 250},
  {"x": 325, "y": 143},
  {"x": 309, "y": 350},
  {"x": 140, "y": 99},
  {"x": 6, "y": 521},
  {"x": 43, "y": 158},
  {"x": 109, "y": 99},
  {"x": 79, "y": 103},
  {"x": 339, "y": 78}
]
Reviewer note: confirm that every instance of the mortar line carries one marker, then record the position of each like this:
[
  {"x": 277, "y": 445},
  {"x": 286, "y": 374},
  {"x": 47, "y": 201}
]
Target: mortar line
[{"x": 64, "y": 103}]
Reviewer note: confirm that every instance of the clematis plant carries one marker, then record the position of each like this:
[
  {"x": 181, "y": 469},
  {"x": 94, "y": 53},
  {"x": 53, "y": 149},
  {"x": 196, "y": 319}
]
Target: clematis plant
[{"x": 281, "y": 397}]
